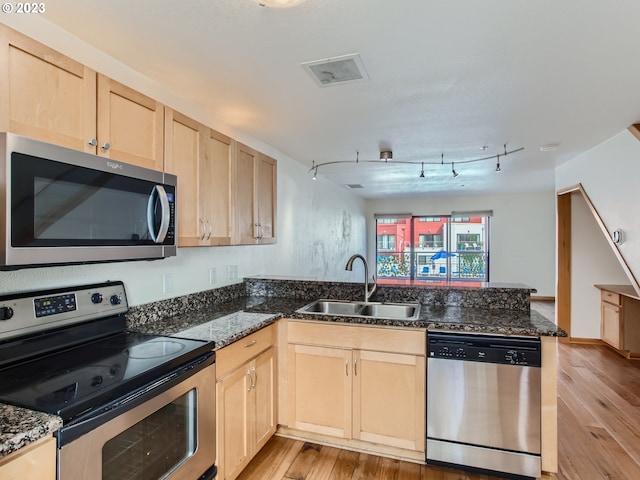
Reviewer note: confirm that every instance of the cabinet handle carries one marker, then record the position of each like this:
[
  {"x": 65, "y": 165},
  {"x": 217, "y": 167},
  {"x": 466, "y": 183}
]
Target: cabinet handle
[
  {"x": 251, "y": 344},
  {"x": 250, "y": 381},
  {"x": 202, "y": 229},
  {"x": 355, "y": 366},
  {"x": 255, "y": 376},
  {"x": 210, "y": 230},
  {"x": 106, "y": 146},
  {"x": 93, "y": 142},
  {"x": 346, "y": 366}
]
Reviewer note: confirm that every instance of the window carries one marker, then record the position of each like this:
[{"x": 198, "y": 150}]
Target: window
[
  {"x": 441, "y": 248},
  {"x": 386, "y": 242},
  {"x": 469, "y": 241},
  {"x": 429, "y": 240}
]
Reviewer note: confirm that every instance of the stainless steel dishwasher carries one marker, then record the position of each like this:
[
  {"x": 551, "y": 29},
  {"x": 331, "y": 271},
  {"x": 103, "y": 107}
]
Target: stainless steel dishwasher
[{"x": 483, "y": 403}]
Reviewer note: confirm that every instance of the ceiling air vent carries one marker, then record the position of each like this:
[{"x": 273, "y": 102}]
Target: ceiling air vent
[
  {"x": 353, "y": 186},
  {"x": 332, "y": 71}
]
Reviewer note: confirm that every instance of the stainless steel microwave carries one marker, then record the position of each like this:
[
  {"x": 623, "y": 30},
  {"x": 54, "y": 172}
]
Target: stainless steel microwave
[{"x": 61, "y": 206}]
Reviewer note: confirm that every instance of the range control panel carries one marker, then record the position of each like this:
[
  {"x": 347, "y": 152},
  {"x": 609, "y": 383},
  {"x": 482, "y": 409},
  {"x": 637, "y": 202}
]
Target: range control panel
[
  {"x": 29, "y": 312},
  {"x": 507, "y": 350}
]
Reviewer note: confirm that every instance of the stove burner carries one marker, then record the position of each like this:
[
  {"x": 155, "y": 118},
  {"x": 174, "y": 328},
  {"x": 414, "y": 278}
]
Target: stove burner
[{"x": 154, "y": 349}]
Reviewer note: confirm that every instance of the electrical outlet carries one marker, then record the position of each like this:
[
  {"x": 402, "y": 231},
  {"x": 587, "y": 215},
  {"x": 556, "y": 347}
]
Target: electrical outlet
[
  {"x": 167, "y": 282},
  {"x": 213, "y": 276},
  {"x": 232, "y": 272}
]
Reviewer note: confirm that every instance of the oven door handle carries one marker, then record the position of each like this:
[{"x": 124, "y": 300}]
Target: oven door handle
[
  {"x": 158, "y": 195},
  {"x": 210, "y": 474},
  {"x": 93, "y": 420}
]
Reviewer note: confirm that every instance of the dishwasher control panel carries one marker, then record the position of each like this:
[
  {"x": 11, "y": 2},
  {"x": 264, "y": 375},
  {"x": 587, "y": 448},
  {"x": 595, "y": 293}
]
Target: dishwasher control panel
[{"x": 506, "y": 350}]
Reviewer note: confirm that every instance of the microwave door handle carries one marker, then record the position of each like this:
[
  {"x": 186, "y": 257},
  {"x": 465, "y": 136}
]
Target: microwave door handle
[{"x": 160, "y": 193}]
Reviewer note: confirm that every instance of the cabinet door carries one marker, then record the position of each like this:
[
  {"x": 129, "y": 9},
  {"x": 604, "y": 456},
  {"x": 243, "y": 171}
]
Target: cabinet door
[
  {"x": 264, "y": 395},
  {"x": 255, "y": 199},
  {"x": 389, "y": 399},
  {"x": 319, "y": 389},
  {"x": 37, "y": 460},
  {"x": 265, "y": 209},
  {"x": 215, "y": 187},
  {"x": 244, "y": 196},
  {"x": 233, "y": 440},
  {"x": 45, "y": 95},
  {"x": 611, "y": 325},
  {"x": 130, "y": 125},
  {"x": 184, "y": 139}
]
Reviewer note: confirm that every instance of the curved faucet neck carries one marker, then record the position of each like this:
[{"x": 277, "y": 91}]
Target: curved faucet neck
[{"x": 349, "y": 266}]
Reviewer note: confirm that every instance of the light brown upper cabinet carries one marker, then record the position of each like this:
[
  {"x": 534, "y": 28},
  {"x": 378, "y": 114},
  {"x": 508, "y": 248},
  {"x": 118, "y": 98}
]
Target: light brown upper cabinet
[
  {"x": 130, "y": 125},
  {"x": 255, "y": 179},
  {"x": 201, "y": 158},
  {"x": 45, "y": 95},
  {"x": 50, "y": 97}
]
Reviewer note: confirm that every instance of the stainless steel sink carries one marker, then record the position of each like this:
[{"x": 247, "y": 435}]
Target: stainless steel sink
[
  {"x": 401, "y": 311},
  {"x": 334, "y": 307},
  {"x": 390, "y": 310}
]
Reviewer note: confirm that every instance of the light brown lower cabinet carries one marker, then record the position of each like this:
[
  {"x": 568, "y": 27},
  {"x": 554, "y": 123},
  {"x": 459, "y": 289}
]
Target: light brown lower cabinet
[
  {"x": 620, "y": 314},
  {"x": 246, "y": 409},
  {"x": 37, "y": 460},
  {"x": 347, "y": 382}
]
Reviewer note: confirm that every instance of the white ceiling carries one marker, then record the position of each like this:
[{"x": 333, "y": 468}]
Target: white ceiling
[{"x": 446, "y": 77}]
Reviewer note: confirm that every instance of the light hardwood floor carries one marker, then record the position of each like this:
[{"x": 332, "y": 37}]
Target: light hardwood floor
[{"x": 598, "y": 430}]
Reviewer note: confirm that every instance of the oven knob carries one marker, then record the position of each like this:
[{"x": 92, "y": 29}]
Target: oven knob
[
  {"x": 115, "y": 300},
  {"x": 515, "y": 357},
  {"x": 96, "y": 298},
  {"x": 6, "y": 313}
]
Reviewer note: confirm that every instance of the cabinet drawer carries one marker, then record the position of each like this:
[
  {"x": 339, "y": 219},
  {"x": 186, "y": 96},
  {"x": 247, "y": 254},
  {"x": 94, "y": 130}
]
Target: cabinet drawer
[
  {"x": 239, "y": 352},
  {"x": 383, "y": 339},
  {"x": 610, "y": 297}
]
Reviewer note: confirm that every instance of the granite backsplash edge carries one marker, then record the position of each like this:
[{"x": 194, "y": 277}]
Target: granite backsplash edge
[{"x": 489, "y": 297}]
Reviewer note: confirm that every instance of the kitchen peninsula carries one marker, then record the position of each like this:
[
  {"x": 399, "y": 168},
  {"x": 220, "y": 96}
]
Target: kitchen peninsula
[{"x": 233, "y": 315}]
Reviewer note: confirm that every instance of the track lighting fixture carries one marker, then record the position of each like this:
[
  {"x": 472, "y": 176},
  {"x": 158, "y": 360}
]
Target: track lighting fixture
[{"x": 386, "y": 157}]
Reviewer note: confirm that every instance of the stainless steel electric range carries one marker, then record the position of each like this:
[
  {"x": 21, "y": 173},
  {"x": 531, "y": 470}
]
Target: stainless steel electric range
[{"x": 133, "y": 405}]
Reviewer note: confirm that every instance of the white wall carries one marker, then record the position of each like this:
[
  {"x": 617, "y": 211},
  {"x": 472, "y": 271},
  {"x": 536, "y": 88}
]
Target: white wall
[
  {"x": 592, "y": 262},
  {"x": 609, "y": 174},
  {"x": 522, "y": 230},
  {"x": 319, "y": 224}
]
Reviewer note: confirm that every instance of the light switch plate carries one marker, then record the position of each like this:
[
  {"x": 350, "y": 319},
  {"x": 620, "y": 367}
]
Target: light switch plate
[
  {"x": 167, "y": 282},
  {"x": 213, "y": 276},
  {"x": 232, "y": 272}
]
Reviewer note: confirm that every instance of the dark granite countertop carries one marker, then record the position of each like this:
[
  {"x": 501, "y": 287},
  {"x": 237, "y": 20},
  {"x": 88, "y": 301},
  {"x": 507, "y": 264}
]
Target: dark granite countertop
[
  {"x": 20, "y": 427},
  {"x": 223, "y": 323},
  {"x": 463, "y": 319},
  {"x": 230, "y": 321}
]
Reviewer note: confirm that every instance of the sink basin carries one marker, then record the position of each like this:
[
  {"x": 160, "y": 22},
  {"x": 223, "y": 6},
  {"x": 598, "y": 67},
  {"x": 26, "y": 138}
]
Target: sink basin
[
  {"x": 334, "y": 307},
  {"x": 401, "y": 311},
  {"x": 389, "y": 310}
]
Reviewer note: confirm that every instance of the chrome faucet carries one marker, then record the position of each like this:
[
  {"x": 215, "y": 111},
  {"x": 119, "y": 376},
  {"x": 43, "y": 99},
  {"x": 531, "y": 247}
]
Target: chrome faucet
[{"x": 367, "y": 293}]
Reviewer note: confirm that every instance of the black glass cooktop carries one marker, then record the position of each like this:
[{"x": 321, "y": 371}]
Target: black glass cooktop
[{"x": 78, "y": 380}]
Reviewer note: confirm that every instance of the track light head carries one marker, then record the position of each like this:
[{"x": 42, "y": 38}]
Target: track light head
[{"x": 386, "y": 155}]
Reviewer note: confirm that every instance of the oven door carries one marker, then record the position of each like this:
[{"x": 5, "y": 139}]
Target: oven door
[{"x": 170, "y": 436}]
